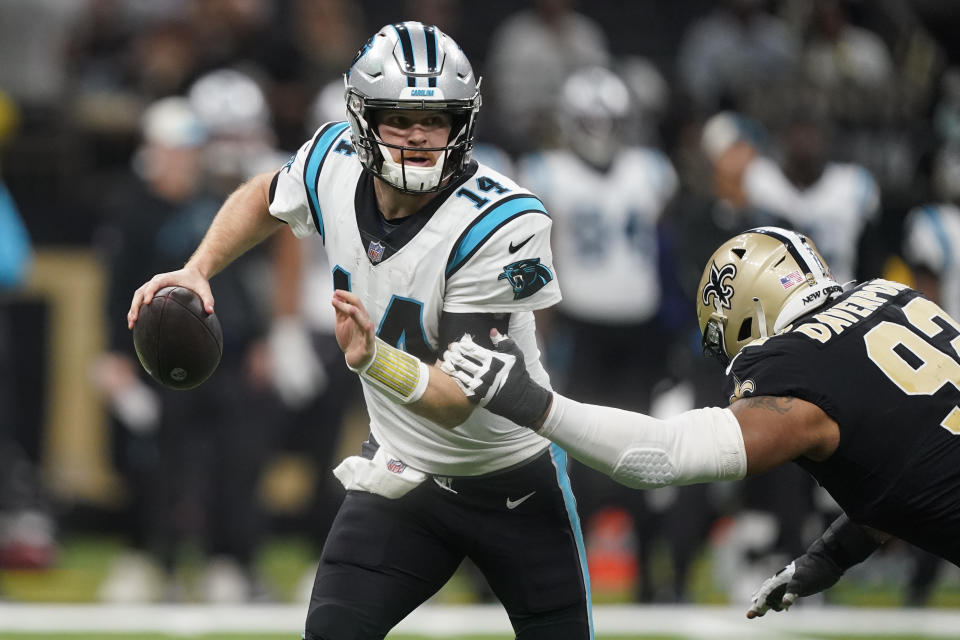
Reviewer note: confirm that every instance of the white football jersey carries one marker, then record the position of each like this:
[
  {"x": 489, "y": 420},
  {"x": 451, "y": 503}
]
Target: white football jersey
[
  {"x": 832, "y": 212},
  {"x": 483, "y": 246},
  {"x": 932, "y": 239},
  {"x": 605, "y": 229}
]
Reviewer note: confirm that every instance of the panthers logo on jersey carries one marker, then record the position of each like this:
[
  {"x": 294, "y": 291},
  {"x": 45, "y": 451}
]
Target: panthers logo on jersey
[
  {"x": 716, "y": 288},
  {"x": 526, "y": 277}
]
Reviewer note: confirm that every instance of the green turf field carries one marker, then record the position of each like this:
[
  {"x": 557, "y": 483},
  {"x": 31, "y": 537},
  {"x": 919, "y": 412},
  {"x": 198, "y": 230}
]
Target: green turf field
[{"x": 84, "y": 561}]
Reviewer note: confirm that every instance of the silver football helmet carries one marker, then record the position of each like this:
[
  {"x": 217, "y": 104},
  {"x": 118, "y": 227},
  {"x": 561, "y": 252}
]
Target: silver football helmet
[
  {"x": 411, "y": 65},
  {"x": 594, "y": 109},
  {"x": 231, "y": 104},
  {"x": 755, "y": 285}
]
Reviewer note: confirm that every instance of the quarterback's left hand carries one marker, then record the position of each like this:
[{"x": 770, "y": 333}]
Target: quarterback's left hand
[
  {"x": 497, "y": 380},
  {"x": 354, "y": 329}
]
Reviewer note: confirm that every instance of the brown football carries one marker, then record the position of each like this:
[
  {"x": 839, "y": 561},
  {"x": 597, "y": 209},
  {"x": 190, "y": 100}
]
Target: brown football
[{"x": 178, "y": 343}]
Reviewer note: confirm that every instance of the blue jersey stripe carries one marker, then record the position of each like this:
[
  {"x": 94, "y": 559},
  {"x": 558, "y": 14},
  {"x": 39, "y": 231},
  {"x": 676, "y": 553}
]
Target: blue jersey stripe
[
  {"x": 559, "y": 458},
  {"x": 311, "y": 170},
  {"x": 497, "y": 215},
  {"x": 940, "y": 233}
]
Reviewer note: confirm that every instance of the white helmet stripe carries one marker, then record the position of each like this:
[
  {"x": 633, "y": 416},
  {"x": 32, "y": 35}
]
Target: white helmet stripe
[
  {"x": 797, "y": 247},
  {"x": 430, "y": 38}
]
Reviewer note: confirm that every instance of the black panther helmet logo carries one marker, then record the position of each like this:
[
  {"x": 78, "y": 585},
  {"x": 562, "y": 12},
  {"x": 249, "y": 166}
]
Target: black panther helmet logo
[
  {"x": 526, "y": 277},
  {"x": 721, "y": 291}
]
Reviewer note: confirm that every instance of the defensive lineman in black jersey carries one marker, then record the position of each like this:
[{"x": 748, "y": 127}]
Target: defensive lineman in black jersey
[
  {"x": 861, "y": 388},
  {"x": 880, "y": 361}
]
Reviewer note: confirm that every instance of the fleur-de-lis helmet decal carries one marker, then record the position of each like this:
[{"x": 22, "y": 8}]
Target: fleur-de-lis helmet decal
[
  {"x": 757, "y": 283},
  {"x": 717, "y": 286}
]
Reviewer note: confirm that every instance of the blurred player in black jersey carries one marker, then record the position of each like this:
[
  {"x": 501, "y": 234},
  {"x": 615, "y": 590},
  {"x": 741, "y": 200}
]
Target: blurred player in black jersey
[{"x": 860, "y": 387}]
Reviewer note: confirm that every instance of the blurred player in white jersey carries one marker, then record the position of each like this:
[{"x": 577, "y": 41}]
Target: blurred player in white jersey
[
  {"x": 832, "y": 202},
  {"x": 931, "y": 243},
  {"x": 606, "y": 195},
  {"x": 434, "y": 246}
]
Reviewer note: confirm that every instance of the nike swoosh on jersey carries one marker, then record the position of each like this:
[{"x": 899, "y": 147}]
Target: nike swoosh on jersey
[
  {"x": 513, "y": 248},
  {"x": 513, "y": 504}
]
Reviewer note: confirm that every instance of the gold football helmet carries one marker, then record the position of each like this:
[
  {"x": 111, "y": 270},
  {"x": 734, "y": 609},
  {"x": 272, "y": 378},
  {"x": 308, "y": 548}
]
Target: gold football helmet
[{"x": 756, "y": 284}]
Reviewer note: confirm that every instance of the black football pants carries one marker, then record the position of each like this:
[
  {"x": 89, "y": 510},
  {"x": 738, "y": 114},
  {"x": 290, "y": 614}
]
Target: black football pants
[{"x": 384, "y": 557}]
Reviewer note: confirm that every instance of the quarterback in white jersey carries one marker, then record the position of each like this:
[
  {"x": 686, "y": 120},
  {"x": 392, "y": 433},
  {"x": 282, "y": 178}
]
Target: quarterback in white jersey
[
  {"x": 434, "y": 246},
  {"x": 484, "y": 248}
]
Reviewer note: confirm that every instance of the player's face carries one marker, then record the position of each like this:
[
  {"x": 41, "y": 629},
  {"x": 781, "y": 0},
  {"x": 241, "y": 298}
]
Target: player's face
[{"x": 415, "y": 129}]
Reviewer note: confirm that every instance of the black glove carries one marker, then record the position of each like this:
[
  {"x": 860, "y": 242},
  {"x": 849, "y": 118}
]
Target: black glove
[
  {"x": 497, "y": 380},
  {"x": 841, "y": 546}
]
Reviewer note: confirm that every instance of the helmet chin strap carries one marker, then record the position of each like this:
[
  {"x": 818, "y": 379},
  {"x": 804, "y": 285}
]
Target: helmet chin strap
[
  {"x": 410, "y": 178},
  {"x": 761, "y": 317}
]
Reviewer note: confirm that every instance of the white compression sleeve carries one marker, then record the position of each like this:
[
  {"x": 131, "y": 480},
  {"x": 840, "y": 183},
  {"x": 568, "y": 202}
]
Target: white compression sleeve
[{"x": 701, "y": 445}]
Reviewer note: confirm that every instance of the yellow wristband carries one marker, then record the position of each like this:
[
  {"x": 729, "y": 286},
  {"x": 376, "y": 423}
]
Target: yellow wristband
[{"x": 395, "y": 372}]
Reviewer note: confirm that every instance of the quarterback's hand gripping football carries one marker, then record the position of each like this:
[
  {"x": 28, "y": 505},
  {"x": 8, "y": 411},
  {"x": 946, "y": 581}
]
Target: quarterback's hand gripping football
[
  {"x": 188, "y": 277},
  {"x": 497, "y": 380}
]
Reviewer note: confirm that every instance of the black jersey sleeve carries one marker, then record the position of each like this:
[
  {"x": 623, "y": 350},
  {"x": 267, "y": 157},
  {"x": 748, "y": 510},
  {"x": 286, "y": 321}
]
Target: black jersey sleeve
[
  {"x": 778, "y": 367},
  {"x": 478, "y": 325}
]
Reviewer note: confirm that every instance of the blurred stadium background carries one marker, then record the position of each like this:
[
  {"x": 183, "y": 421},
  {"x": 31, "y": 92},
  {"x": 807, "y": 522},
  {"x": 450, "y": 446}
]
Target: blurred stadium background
[{"x": 124, "y": 122}]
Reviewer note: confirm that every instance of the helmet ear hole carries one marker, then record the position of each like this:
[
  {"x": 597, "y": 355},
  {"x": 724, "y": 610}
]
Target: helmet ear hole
[{"x": 746, "y": 328}]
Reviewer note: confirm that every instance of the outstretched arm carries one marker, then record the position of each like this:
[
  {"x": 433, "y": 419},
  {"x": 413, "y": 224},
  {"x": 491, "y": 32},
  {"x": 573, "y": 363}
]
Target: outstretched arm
[
  {"x": 754, "y": 435},
  {"x": 243, "y": 221},
  {"x": 703, "y": 445},
  {"x": 426, "y": 390}
]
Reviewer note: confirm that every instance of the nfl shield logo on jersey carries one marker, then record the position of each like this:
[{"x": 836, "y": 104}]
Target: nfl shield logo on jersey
[
  {"x": 395, "y": 465},
  {"x": 375, "y": 252}
]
